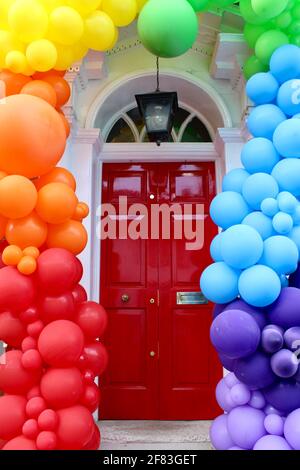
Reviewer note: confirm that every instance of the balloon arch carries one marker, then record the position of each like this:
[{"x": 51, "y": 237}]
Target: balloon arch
[{"x": 53, "y": 332}]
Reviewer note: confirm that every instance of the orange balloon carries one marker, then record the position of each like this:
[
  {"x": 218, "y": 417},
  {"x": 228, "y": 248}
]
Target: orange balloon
[
  {"x": 14, "y": 82},
  {"x": 61, "y": 87},
  {"x": 71, "y": 236},
  {"x": 2, "y": 174},
  {"x": 12, "y": 255},
  {"x": 32, "y": 136},
  {"x": 27, "y": 265},
  {"x": 81, "y": 212},
  {"x": 50, "y": 73},
  {"x": 18, "y": 196},
  {"x": 42, "y": 90},
  {"x": 57, "y": 175},
  {"x": 3, "y": 223},
  {"x": 32, "y": 251},
  {"x": 56, "y": 203},
  {"x": 29, "y": 231},
  {"x": 65, "y": 123}
]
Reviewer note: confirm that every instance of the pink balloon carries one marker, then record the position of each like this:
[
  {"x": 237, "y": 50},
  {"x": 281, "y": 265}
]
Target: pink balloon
[
  {"x": 35, "y": 328},
  {"x": 62, "y": 387},
  {"x": 14, "y": 378},
  {"x": 32, "y": 360},
  {"x": 30, "y": 429},
  {"x": 35, "y": 406},
  {"x": 20, "y": 443},
  {"x": 92, "y": 319},
  {"x": 94, "y": 358},
  {"x": 17, "y": 291},
  {"x": 12, "y": 416},
  {"x": 29, "y": 315},
  {"x": 95, "y": 441},
  {"x": 12, "y": 330},
  {"x": 61, "y": 343},
  {"x": 79, "y": 294},
  {"x": 29, "y": 343},
  {"x": 46, "y": 440},
  {"x": 75, "y": 428},
  {"x": 91, "y": 397},
  {"x": 57, "y": 271},
  {"x": 57, "y": 308},
  {"x": 48, "y": 420}
]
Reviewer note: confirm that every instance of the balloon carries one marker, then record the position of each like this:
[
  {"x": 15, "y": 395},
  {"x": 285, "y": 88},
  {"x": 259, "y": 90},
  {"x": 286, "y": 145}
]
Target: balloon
[
  {"x": 252, "y": 284},
  {"x": 33, "y": 392},
  {"x": 215, "y": 248},
  {"x": 84, "y": 8},
  {"x": 219, "y": 434},
  {"x": 62, "y": 388},
  {"x": 284, "y": 64},
  {"x": 35, "y": 328},
  {"x": 267, "y": 9},
  {"x": 46, "y": 440},
  {"x": 30, "y": 429},
  {"x": 235, "y": 333},
  {"x": 42, "y": 55},
  {"x": 57, "y": 308},
  {"x": 16, "y": 61},
  {"x": 292, "y": 429},
  {"x": 28, "y": 20},
  {"x": 62, "y": 89},
  {"x": 30, "y": 230},
  {"x": 287, "y": 202},
  {"x": 17, "y": 292},
  {"x": 267, "y": 44},
  {"x": 269, "y": 207},
  {"x": 246, "y": 426},
  {"x": 272, "y": 339},
  {"x": 94, "y": 443},
  {"x": 48, "y": 420},
  {"x": 12, "y": 330},
  {"x": 285, "y": 173},
  {"x": 20, "y": 443},
  {"x": 100, "y": 31},
  {"x": 90, "y": 397},
  {"x": 241, "y": 246},
  {"x": 292, "y": 338},
  {"x": 29, "y": 315},
  {"x": 26, "y": 148},
  {"x": 70, "y": 235},
  {"x": 284, "y": 363},
  {"x": 272, "y": 443},
  {"x": 286, "y": 138},
  {"x": 29, "y": 343},
  {"x": 280, "y": 254},
  {"x": 284, "y": 312},
  {"x": 61, "y": 343},
  {"x": 253, "y": 66},
  {"x": 227, "y": 363},
  {"x": 56, "y": 203},
  {"x": 234, "y": 180},
  {"x": 168, "y": 29},
  {"x": 264, "y": 120},
  {"x": 255, "y": 313},
  {"x": 57, "y": 271},
  {"x": 287, "y": 98},
  {"x": 261, "y": 223},
  {"x": 27, "y": 265},
  {"x": 253, "y": 31},
  {"x": 219, "y": 283},
  {"x": 122, "y": 12},
  {"x": 18, "y": 196},
  {"x": 262, "y": 88},
  {"x": 65, "y": 26},
  {"x": 12, "y": 416},
  {"x": 283, "y": 223},
  {"x": 56, "y": 175},
  {"x": 42, "y": 90},
  {"x": 228, "y": 208},
  {"x": 12, "y": 255},
  {"x": 92, "y": 319},
  {"x": 284, "y": 395},
  {"x": 198, "y": 5},
  {"x": 95, "y": 358},
  {"x": 35, "y": 406},
  {"x": 223, "y": 397},
  {"x": 294, "y": 236},
  {"x": 259, "y": 155},
  {"x": 274, "y": 424},
  {"x": 14, "y": 378},
  {"x": 65, "y": 123},
  {"x": 32, "y": 360},
  {"x": 240, "y": 394},
  {"x": 75, "y": 429},
  {"x": 13, "y": 82},
  {"x": 257, "y": 400},
  {"x": 255, "y": 371}
]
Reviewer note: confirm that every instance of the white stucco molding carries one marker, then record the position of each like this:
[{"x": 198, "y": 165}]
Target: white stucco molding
[{"x": 90, "y": 136}]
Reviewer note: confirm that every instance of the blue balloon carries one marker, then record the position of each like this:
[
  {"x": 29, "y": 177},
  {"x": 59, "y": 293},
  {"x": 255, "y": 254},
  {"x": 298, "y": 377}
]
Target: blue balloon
[
  {"x": 284, "y": 281},
  {"x": 287, "y": 138},
  {"x": 262, "y": 88},
  {"x": 215, "y": 248},
  {"x": 228, "y": 208},
  {"x": 259, "y": 187},
  {"x": 259, "y": 286},
  {"x": 259, "y": 156},
  {"x": 219, "y": 283},
  {"x": 287, "y": 202},
  {"x": 234, "y": 180},
  {"x": 296, "y": 215},
  {"x": 283, "y": 223},
  {"x": 288, "y": 97},
  {"x": 261, "y": 223},
  {"x": 280, "y": 254},
  {"x": 294, "y": 235},
  {"x": 264, "y": 120},
  {"x": 241, "y": 246},
  {"x": 269, "y": 206},
  {"x": 285, "y": 63},
  {"x": 286, "y": 173}
]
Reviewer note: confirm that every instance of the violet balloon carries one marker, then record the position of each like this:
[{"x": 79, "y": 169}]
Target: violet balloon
[
  {"x": 292, "y": 338},
  {"x": 223, "y": 396},
  {"x": 257, "y": 313},
  {"x": 240, "y": 394},
  {"x": 257, "y": 400},
  {"x": 255, "y": 371},
  {"x": 231, "y": 380},
  {"x": 272, "y": 443},
  {"x": 274, "y": 424},
  {"x": 272, "y": 338},
  {"x": 285, "y": 311},
  {"x": 284, "y": 395},
  {"x": 284, "y": 363},
  {"x": 292, "y": 429},
  {"x": 219, "y": 434},
  {"x": 246, "y": 426}
]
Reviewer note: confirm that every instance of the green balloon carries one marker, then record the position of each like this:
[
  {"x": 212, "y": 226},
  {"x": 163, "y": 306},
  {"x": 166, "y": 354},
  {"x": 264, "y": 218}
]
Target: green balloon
[
  {"x": 284, "y": 20},
  {"x": 268, "y": 8},
  {"x": 295, "y": 39},
  {"x": 168, "y": 28},
  {"x": 249, "y": 14},
  {"x": 253, "y": 66},
  {"x": 199, "y": 5},
  {"x": 253, "y": 31},
  {"x": 296, "y": 12},
  {"x": 294, "y": 27},
  {"x": 268, "y": 42}
]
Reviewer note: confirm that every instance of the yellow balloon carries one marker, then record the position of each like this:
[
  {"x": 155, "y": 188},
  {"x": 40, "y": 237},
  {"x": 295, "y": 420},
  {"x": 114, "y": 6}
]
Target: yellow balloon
[
  {"x": 28, "y": 19},
  {"x": 140, "y": 4},
  {"x": 65, "y": 26},
  {"x": 65, "y": 57},
  {"x": 51, "y": 4},
  {"x": 8, "y": 42},
  {"x": 116, "y": 38},
  {"x": 4, "y": 7},
  {"x": 16, "y": 61},
  {"x": 122, "y": 12},
  {"x": 41, "y": 55},
  {"x": 79, "y": 51},
  {"x": 84, "y": 7},
  {"x": 100, "y": 31}
]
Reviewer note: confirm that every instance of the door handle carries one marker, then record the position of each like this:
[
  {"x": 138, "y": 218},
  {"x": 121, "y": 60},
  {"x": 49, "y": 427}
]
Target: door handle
[{"x": 125, "y": 298}]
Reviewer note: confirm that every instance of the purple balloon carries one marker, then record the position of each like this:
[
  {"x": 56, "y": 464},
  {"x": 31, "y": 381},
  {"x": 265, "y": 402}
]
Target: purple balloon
[
  {"x": 292, "y": 429},
  {"x": 257, "y": 400},
  {"x": 255, "y": 371},
  {"x": 294, "y": 279},
  {"x": 227, "y": 363},
  {"x": 274, "y": 424},
  {"x": 272, "y": 338},
  {"x": 235, "y": 333},
  {"x": 297, "y": 375},
  {"x": 218, "y": 308},
  {"x": 231, "y": 380},
  {"x": 284, "y": 395},
  {"x": 240, "y": 394},
  {"x": 219, "y": 434},
  {"x": 223, "y": 396},
  {"x": 292, "y": 338},
  {"x": 284, "y": 363},
  {"x": 285, "y": 311},
  {"x": 270, "y": 410},
  {"x": 236, "y": 448},
  {"x": 272, "y": 443},
  {"x": 246, "y": 426},
  {"x": 258, "y": 314}
]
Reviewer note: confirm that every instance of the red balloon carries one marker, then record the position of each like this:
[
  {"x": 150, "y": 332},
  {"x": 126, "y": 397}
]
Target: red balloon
[
  {"x": 14, "y": 378},
  {"x": 12, "y": 330},
  {"x": 46, "y": 440},
  {"x": 33, "y": 392},
  {"x": 17, "y": 291},
  {"x": 79, "y": 294},
  {"x": 91, "y": 397},
  {"x": 57, "y": 308},
  {"x": 95, "y": 358},
  {"x": 57, "y": 270},
  {"x": 35, "y": 328},
  {"x": 35, "y": 406},
  {"x": 48, "y": 420},
  {"x": 29, "y": 316},
  {"x": 92, "y": 319},
  {"x": 20, "y": 443},
  {"x": 29, "y": 343},
  {"x": 89, "y": 377},
  {"x": 61, "y": 343},
  {"x": 30, "y": 429},
  {"x": 79, "y": 273},
  {"x": 75, "y": 428},
  {"x": 32, "y": 360},
  {"x": 12, "y": 416},
  {"x": 95, "y": 441},
  {"x": 62, "y": 387}
]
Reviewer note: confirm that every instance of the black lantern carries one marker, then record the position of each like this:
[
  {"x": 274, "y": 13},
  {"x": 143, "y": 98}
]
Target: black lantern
[{"x": 158, "y": 111}]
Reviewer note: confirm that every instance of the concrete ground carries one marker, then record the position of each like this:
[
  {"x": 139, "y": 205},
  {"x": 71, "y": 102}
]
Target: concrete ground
[{"x": 155, "y": 435}]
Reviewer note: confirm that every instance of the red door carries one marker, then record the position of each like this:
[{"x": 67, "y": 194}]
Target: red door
[{"x": 162, "y": 365}]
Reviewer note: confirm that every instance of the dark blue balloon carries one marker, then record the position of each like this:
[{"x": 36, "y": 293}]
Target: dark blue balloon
[
  {"x": 258, "y": 314},
  {"x": 285, "y": 312},
  {"x": 272, "y": 339},
  {"x": 255, "y": 371},
  {"x": 284, "y": 395}
]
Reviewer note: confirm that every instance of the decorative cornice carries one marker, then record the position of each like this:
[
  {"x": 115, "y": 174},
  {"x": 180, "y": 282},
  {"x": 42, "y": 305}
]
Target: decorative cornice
[
  {"x": 229, "y": 136},
  {"x": 88, "y": 136}
]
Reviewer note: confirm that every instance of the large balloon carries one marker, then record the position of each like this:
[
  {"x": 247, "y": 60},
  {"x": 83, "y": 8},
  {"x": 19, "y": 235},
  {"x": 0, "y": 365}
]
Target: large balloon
[
  {"x": 17, "y": 292},
  {"x": 241, "y": 246},
  {"x": 267, "y": 9},
  {"x": 255, "y": 371},
  {"x": 292, "y": 429},
  {"x": 259, "y": 187},
  {"x": 228, "y": 208},
  {"x": 219, "y": 435},
  {"x": 14, "y": 378},
  {"x": 285, "y": 173},
  {"x": 259, "y": 156},
  {"x": 18, "y": 196},
  {"x": 75, "y": 429},
  {"x": 12, "y": 416},
  {"x": 219, "y": 283},
  {"x": 62, "y": 388},
  {"x": 57, "y": 271},
  {"x": 261, "y": 223},
  {"x": 285, "y": 312},
  {"x": 92, "y": 319},
  {"x": 264, "y": 120},
  {"x": 272, "y": 443},
  {"x": 61, "y": 307},
  {"x": 286, "y": 138},
  {"x": 12, "y": 330},
  {"x": 284, "y": 396},
  {"x": 281, "y": 254},
  {"x": 267, "y": 44},
  {"x": 56, "y": 203},
  {"x": 246, "y": 426},
  {"x": 252, "y": 284},
  {"x": 262, "y": 88},
  {"x": 285, "y": 63},
  {"x": 94, "y": 358},
  {"x": 234, "y": 180}
]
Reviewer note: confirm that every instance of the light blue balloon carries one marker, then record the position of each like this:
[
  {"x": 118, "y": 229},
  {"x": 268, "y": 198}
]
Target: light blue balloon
[
  {"x": 296, "y": 215},
  {"x": 259, "y": 156},
  {"x": 259, "y": 187},
  {"x": 264, "y": 119},
  {"x": 286, "y": 138},
  {"x": 288, "y": 97},
  {"x": 285, "y": 63},
  {"x": 287, "y": 202},
  {"x": 228, "y": 208},
  {"x": 215, "y": 248},
  {"x": 259, "y": 286},
  {"x": 286, "y": 173},
  {"x": 219, "y": 283},
  {"x": 241, "y": 246},
  {"x": 294, "y": 235},
  {"x": 284, "y": 281},
  {"x": 282, "y": 223},
  {"x": 262, "y": 88},
  {"x": 280, "y": 254},
  {"x": 261, "y": 223},
  {"x": 269, "y": 206},
  {"x": 234, "y": 180}
]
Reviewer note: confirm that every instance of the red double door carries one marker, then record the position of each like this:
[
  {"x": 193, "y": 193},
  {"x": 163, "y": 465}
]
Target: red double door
[{"x": 161, "y": 363}]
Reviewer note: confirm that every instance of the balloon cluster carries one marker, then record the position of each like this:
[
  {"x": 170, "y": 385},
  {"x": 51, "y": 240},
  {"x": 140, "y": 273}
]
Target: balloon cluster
[{"x": 40, "y": 35}]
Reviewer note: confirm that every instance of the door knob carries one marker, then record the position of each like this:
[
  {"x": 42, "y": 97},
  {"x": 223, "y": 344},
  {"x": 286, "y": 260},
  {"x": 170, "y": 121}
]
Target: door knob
[
  {"x": 152, "y": 301},
  {"x": 125, "y": 298},
  {"x": 152, "y": 353}
]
